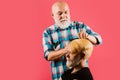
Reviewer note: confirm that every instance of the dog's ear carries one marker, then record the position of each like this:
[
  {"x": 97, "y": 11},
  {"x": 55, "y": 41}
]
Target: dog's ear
[{"x": 82, "y": 55}]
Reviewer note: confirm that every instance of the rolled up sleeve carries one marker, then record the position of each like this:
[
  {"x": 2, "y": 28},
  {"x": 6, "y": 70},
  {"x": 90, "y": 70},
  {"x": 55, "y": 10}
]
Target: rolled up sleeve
[
  {"x": 96, "y": 35},
  {"x": 46, "y": 44}
]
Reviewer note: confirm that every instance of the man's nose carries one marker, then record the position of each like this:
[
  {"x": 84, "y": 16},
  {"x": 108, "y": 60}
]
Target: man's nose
[{"x": 63, "y": 15}]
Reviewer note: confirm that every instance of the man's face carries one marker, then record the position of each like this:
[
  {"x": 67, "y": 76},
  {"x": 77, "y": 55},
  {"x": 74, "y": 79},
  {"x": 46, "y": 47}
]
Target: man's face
[
  {"x": 61, "y": 15},
  {"x": 72, "y": 59}
]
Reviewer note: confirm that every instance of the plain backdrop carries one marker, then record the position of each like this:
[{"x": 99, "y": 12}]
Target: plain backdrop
[{"x": 22, "y": 23}]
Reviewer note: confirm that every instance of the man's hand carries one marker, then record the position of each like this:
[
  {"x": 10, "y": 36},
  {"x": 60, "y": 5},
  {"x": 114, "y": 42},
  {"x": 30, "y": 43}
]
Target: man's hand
[
  {"x": 67, "y": 49},
  {"x": 83, "y": 34},
  {"x": 56, "y": 55}
]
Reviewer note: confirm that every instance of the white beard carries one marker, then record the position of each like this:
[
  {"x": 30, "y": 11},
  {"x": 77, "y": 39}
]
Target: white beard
[{"x": 63, "y": 25}]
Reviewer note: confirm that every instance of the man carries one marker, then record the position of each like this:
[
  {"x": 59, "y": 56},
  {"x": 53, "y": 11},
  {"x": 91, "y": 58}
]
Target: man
[
  {"x": 57, "y": 36},
  {"x": 80, "y": 51}
]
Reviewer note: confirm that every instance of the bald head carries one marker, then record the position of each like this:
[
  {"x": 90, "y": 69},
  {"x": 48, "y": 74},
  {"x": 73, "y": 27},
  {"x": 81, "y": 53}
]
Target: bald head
[
  {"x": 81, "y": 46},
  {"x": 59, "y": 5}
]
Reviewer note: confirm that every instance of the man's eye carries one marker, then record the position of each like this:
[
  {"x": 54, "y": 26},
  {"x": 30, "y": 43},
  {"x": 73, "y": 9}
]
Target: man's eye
[
  {"x": 59, "y": 13},
  {"x": 65, "y": 12}
]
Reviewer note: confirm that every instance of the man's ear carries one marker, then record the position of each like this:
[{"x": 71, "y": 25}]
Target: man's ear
[{"x": 52, "y": 15}]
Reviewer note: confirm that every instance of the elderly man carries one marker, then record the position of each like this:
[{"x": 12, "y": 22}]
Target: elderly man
[
  {"x": 80, "y": 51},
  {"x": 58, "y": 35}
]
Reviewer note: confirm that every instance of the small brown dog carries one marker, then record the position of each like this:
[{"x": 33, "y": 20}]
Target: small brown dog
[
  {"x": 81, "y": 46},
  {"x": 80, "y": 51}
]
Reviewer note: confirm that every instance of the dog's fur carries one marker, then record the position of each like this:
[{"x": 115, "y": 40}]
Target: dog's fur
[{"x": 82, "y": 47}]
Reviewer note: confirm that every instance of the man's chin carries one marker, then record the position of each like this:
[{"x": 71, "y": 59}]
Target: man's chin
[{"x": 63, "y": 25}]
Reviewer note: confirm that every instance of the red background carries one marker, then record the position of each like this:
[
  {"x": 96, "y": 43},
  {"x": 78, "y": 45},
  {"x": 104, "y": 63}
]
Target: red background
[{"x": 23, "y": 21}]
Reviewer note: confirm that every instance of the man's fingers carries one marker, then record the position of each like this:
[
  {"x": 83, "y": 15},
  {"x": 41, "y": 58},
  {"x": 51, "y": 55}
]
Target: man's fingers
[
  {"x": 82, "y": 34},
  {"x": 67, "y": 48},
  {"x": 86, "y": 35}
]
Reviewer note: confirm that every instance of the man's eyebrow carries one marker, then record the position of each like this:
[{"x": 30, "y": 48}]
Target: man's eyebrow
[
  {"x": 59, "y": 12},
  {"x": 62, "y": 11}
]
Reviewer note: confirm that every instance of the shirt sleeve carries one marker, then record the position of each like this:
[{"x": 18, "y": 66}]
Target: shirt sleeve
[
  {"x": 96, "y": 35},
  {"x": 47, "y": 44}
]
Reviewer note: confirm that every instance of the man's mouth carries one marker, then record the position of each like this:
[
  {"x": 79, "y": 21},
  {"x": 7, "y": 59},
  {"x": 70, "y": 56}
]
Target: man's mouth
[{"x": 63, "y": 20}]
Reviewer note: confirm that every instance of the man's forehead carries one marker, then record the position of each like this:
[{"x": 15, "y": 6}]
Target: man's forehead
[
  {"x": 60, "y": 7},
  {"x": 60, "y": 3}
]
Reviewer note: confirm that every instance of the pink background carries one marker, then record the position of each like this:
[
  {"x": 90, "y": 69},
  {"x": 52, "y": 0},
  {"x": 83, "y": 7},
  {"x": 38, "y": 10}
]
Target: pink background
[{"x": 23, "y": 21}]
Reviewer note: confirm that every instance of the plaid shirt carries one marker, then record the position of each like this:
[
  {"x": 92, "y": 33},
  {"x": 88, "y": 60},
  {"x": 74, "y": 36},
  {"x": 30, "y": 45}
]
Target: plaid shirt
[{"x": 55, "y": 38}]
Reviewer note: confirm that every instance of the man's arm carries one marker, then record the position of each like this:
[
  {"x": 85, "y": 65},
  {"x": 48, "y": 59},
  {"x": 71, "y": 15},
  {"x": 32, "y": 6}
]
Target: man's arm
[
  {"x": 84, "y": 35},
  {"x": 49, "y": 52},
  {"x": 92, "y": 39},
  {"x": 55, "y": 55},
  {"x": 87, "y": 33}
]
